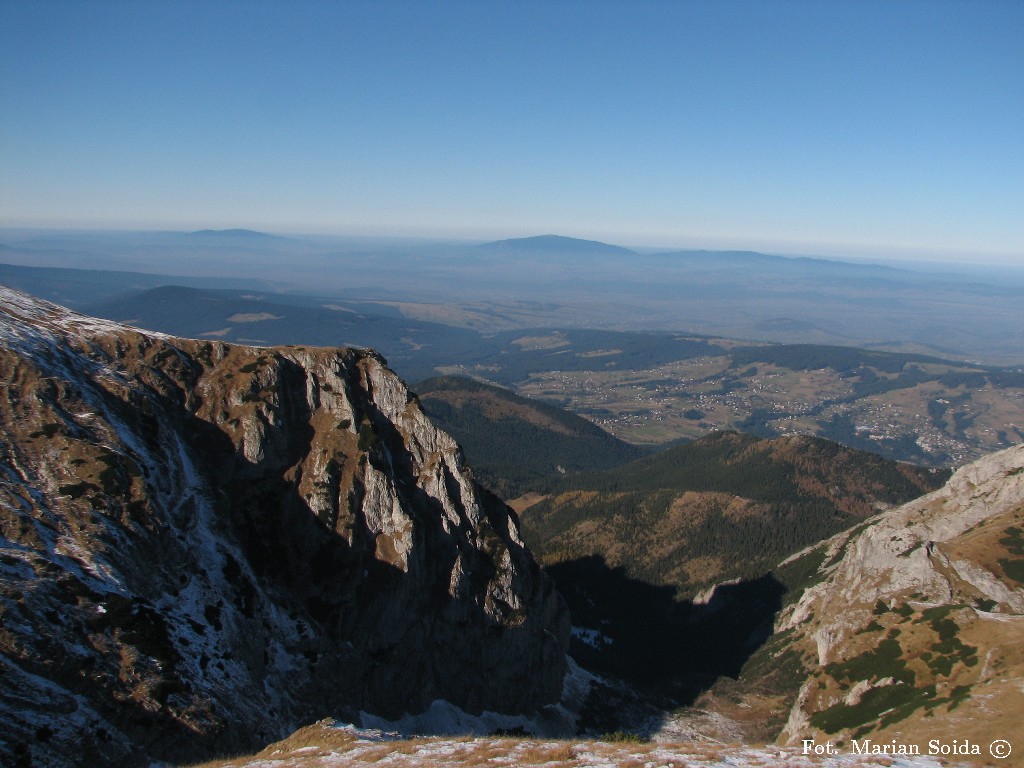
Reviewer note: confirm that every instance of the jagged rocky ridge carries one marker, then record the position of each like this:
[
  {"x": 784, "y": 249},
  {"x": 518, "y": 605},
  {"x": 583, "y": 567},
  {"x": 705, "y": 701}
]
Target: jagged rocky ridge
[{"x": 205, "y": 546}]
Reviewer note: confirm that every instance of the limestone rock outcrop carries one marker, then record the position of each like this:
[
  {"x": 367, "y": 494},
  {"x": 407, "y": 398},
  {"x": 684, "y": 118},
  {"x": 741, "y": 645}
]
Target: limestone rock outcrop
[
  {"x": 205, "y": 546},
  {"x": 912, "y": 630}
]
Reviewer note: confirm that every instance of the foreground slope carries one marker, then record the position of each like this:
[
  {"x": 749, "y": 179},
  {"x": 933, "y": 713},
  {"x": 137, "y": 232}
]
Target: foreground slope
[
  {"x": 912, "y": 628},
  {"x": 332, "y": 745},
  {"x": 209, "y": 545}
]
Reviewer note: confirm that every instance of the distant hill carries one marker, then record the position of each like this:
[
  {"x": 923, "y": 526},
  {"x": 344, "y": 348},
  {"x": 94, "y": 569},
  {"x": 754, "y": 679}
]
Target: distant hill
[
  {"x": 77, "y": 288},
  {"x": 515, "y": 444},
  {"x": 727, "y": 505},
  {"x": 235, "y": 237},
  {"x": 233, "y": 233},
  {"x": 801, "y": 267},
  {"x": 555, "y": 244},
  {"x": 731, "y": 258}
]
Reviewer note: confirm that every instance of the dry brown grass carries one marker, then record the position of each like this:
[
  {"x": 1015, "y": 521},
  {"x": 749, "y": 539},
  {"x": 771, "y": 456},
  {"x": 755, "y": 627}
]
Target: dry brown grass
[
  {"x": 526, "y": 501},
  {"x": 546, "y": 754},
  {"x": 351, "y": 751},
  {"x": 318, "y": 735},
  {"x": 487, "y": 753}
]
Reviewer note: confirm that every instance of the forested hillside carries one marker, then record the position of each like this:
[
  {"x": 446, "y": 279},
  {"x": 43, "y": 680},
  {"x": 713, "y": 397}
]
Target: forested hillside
[
  {"x": 514, "y": 444},
  {"x": 728, "y": 505}
]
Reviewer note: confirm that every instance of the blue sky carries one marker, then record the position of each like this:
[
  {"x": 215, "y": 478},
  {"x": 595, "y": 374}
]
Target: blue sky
[{"x": 837, "y": 128}]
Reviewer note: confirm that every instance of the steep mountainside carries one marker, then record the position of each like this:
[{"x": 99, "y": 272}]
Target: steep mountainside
[
  {"x": 207, "y": 545},
  {"x": 517, "y": 444},
  {"x": 913, "y": 626}
]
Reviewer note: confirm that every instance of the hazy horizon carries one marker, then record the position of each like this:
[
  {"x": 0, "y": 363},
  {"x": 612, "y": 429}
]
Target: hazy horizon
[
  {"x": 880, "y": 255},
  {"x": 838, "y": 130}
]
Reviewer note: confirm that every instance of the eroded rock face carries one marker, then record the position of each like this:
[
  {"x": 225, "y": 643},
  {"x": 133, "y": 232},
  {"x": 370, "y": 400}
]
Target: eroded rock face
[
  {"x": 206, "y": 544},
  {"x": 914, "y": 628}
]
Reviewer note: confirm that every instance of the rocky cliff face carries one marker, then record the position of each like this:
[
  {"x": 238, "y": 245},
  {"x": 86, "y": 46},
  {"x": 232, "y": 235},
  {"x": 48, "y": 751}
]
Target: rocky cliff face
[
  {"x": 914, "y": 630},
  {"x": 208, "y": 545}
]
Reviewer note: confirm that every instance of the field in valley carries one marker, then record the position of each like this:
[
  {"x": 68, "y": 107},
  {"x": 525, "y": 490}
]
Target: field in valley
[{"x": 930, "y": 412}]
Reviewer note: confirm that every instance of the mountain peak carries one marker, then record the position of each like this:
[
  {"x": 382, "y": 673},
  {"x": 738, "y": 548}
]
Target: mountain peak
[
  {"x": 555, "y": 244},
  {"x": 233, "y": 234}
]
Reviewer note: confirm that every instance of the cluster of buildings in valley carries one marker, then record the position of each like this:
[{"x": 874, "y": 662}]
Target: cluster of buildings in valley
[{"x": 667, "y": 403}]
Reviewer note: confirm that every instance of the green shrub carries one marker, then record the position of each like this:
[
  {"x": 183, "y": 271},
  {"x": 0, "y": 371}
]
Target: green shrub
[
  {"x": 367, "y": 437},
  {"x": 885, "y": 660},
  {"x": 621, "y": 737},
  {"x": 1013, "y": 569},
  {"x": 48, "y": 430},
  {"x": 897, "y": 700}
]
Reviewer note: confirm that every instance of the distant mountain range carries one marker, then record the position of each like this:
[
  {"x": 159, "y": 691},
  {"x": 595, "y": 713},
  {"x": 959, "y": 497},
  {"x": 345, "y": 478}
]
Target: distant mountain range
[
  {"x": 554, "y": 281},
  {"x": 80, "y": 288},
  {"x": 647, "y": 388},
  {"x": 235, "y": 234}
]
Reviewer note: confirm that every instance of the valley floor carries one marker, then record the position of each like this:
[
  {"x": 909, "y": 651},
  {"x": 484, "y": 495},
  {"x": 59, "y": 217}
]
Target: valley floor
[{"x": 327, "y": 745}]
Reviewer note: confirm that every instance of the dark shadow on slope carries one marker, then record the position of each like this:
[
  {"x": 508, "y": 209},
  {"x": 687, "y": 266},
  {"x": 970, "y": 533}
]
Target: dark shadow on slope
[
  {"x": 397, "y": 625},
  {"x": 671, "y": 650}
]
